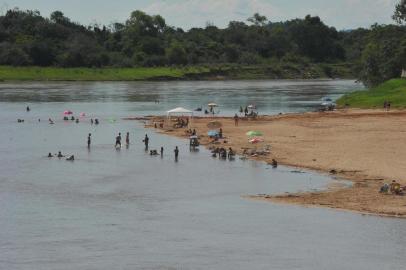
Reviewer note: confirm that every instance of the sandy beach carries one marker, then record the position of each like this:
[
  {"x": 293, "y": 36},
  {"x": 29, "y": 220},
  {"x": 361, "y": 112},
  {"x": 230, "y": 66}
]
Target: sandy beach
[{"x": 364, "y": 146}]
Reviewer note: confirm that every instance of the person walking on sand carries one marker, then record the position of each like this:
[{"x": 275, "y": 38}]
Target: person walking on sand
[
  {"x": 127, "y": 138},
  {"x": 146, "y": 141},
  {"x": 236, "y": 120},
  {"x": 176, "y": 153},
  {"x": 89, "y": 140}
]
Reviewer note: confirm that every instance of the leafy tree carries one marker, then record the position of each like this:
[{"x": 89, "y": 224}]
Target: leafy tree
[
  {"x": 258, "y": 19},
  {"x": 400, "y": 12},
  {"x": 176, "y": 54}
]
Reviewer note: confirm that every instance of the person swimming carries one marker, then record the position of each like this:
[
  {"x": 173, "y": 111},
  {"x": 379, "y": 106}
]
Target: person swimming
[
  {"x": 50, "y": 155},
  {"x": 60, "y": 154},
  {"x": 71, "y": 158}
]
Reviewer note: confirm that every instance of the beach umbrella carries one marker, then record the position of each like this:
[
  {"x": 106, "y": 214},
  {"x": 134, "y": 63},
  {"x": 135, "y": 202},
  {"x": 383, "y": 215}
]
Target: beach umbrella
[
  {"x": 251, "y": 107},
  {"x": 214, "y": 124},
  {"x": 212, "y": 104},
  {"x": 213, "y": 133},
  {"x": 67, "y": 112},
  {"x": 254, "y": 133}
]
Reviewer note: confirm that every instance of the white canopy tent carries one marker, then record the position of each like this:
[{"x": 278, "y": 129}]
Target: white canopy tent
[{"x": 180, "y": 112}]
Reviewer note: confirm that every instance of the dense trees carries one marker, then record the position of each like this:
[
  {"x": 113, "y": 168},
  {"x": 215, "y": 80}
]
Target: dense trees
[
  {"x": 27, "y": 38},
  {"x": 400, "y": 12}
]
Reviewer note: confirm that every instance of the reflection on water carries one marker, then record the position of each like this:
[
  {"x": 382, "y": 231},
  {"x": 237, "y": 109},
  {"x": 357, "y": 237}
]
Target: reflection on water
[
  {"x": 125, "y": 209},
  {"x": 270, "y": 96}
]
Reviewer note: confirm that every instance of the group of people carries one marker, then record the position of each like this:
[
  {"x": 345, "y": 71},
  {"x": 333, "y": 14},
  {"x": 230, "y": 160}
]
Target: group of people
[
  {"x": 222, "y": 153},
  {"x": 393, "y": 188},
  {"x": 118, "y": 140},
  {"x": 154, "y": 152},
  {"x": 59, "y": 155},
  {"x": 181, "y": 123}
]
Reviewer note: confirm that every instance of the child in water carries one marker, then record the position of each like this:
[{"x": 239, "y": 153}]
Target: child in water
[{"x": 127, "y": 138}]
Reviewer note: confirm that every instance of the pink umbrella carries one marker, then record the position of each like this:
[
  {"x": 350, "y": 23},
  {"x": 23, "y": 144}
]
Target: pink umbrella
[
  {"x": 256, "y": 140},
  {"x": 67, "y": 112}
]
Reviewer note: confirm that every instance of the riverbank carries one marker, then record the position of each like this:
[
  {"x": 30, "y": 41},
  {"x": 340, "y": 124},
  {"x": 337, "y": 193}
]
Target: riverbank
[
  {"x": 393, "y": 91},
  {"x": 215, "y": 72},
  {"x": 364, "y": 146}
]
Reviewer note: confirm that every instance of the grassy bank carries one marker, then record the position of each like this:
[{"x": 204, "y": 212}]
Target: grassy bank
[
  {"x": 218, "y": 72},
  {"x": 94, "y": 74},
  {"x": 393, "y": 90}
]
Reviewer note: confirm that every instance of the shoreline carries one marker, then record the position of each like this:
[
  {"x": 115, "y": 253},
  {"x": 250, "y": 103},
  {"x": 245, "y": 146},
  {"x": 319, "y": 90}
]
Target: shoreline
[{"x": 321, "y": 145}]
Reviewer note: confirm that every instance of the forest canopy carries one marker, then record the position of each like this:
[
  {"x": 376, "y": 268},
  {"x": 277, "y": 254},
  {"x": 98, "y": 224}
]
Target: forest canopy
[{"x": 29, "y": 39}]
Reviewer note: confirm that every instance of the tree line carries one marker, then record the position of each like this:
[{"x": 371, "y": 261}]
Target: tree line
[{"x": 29, "y": 39}]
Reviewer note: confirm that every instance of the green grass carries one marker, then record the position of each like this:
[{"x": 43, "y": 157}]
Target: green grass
[
  {"x": 94, "y": 74},
  {"x": 275, "y": 70},
  {"x": 393, "y": 90}
]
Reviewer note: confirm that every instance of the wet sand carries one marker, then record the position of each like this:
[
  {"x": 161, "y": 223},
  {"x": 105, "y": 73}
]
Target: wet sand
[{"x": 364, "y": 146}]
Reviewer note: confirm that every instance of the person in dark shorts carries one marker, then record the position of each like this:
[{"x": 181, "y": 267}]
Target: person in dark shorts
[
  {"x": 89, "y": 140},
  {"x": 118, "y": 140},
  {"x": 146, "y": 141},
  {"x": 176, "y": 153}
]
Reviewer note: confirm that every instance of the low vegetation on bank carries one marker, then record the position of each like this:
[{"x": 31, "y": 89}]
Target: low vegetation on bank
[
  {"x": 274, "y": 71},
  {"x": 393, "y": 91}
]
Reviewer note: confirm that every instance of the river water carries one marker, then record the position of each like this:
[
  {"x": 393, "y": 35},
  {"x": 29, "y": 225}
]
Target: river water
[{"x": 123, "y": 209}]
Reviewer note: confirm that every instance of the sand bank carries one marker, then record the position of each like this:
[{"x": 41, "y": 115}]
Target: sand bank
[{"x": 364, "y": 146}]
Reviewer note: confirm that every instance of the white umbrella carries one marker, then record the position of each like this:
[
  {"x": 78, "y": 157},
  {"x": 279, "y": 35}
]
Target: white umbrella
[{"x": 212, "y": 104}]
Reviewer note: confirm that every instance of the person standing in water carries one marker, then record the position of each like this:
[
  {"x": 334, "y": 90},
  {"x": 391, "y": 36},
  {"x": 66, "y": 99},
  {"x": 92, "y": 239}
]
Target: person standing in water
[
  {"x": 162, "y": 151},
  {"x": 176, "y": 153},
  {"x": 118, "y": 140},
  {"x": 146, "y": 141},
  {"x": 28, "y": 108},
  {"x": 89, "y": 140},
  {"x": 127, "y": 138}
]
